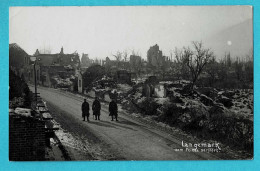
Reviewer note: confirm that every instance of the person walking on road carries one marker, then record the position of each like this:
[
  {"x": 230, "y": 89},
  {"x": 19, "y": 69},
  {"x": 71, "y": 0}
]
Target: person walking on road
[
  {"x": 96, "y": 108},
  {"x": 113, "y": 110},
  {"x": 85, "y": 110}
]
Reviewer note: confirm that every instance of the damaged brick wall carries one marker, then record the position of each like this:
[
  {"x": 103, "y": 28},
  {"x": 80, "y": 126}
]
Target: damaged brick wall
[{"x": 26, "y": 139}]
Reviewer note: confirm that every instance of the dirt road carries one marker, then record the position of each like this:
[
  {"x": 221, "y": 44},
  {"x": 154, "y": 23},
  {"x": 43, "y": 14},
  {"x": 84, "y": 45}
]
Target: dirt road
[{"x": 126, "y": 139}]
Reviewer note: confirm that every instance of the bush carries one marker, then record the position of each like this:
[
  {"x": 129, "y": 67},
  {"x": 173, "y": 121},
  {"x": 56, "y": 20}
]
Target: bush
[
  {"x": 92, "y": 73},
  {"x": 18, "y": 88},
  {"x": 227, "y": 102},
  {"x": 149, "y": 106},
  {"x": 171, "y": 113}
]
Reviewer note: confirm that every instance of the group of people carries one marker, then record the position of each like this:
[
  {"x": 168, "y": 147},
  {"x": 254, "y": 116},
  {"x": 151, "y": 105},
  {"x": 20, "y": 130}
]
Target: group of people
[{"x": 96, "y": 107}]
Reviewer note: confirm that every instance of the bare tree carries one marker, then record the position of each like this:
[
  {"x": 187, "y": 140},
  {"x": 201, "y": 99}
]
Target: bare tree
[
  {"x": 196, "y": 60},
  {"x": 212, "y": 70},
  {"x": 249, "y": 67},
  {"x": 125, "y": 55},
  {"x": 136, "y": 62},
  {"x": 222, "y": 70},
  {"x": 250, "y": 55},
  {"x": 238, "y": 66},
  {"x": 227, "y": 58},
  {"x": 45, "y": 50},
  {"x": 180, "y": 67},
  {"x": 135, "y": 53},
  {"x": 118, "y": 56},
  {"x": 171, "y": 54}
]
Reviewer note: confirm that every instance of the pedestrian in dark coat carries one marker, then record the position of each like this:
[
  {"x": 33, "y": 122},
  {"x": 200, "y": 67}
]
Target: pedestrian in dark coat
[
  {"x": 113, "y": 110},
  {"x": 85, "y": 110},
  {"x": 96, "y": 108}
]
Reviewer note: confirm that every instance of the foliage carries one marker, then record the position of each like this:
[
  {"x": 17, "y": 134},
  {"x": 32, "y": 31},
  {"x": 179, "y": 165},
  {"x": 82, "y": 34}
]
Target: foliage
[
  {"x": 16, "y": 55},
  {"x": 18, "y": 88},
  {"x": 93, "y": 73}
]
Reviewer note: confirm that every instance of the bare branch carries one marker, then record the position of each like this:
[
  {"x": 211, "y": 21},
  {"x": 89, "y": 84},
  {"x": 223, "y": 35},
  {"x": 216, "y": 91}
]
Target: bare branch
[
  {"x": 197, "y": 59},
  {"x": 125, "y": 55},
  {"x": 118, "y": 56}
]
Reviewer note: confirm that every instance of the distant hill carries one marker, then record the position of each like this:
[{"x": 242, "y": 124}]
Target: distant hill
[
  {"x": 237, "y": 39},
  {"x": 16, "y": 55}
]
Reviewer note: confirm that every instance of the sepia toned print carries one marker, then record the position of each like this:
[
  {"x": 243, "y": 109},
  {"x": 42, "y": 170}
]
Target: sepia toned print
[{"x": 131, "y": 83}]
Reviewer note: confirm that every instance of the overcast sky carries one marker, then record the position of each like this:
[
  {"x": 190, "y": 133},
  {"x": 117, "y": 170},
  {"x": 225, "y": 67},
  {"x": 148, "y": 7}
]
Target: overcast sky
[{"x": 101, "y": 31}]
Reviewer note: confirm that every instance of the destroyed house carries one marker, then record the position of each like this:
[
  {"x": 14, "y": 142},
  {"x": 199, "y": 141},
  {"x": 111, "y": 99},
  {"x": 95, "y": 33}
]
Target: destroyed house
[
  {"x": 52, "y": 69},
  {"x": 60, "y": 59}
]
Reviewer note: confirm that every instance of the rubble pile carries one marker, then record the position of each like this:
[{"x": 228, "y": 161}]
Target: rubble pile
[
  {"x": 106, "y": 89},
  {"x": 63, "y": 82},
  {"x": 206, "y": 112}
]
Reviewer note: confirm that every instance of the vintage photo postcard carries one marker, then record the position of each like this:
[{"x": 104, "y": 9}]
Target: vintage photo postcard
[{"x": 131, "y": 83}]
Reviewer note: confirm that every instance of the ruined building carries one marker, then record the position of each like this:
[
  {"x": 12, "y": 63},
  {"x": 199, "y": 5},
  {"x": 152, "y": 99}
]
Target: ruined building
[
  {"x": 85, "y": 61},
  {"x": 136, "y": 64},
  {"x": 52, "y": 69},
  {"x": 155, "y": 57},
  {"x": 59, "y": 59}
]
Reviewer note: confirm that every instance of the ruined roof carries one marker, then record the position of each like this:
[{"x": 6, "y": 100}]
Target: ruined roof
[{"x": 46, "y": 59}]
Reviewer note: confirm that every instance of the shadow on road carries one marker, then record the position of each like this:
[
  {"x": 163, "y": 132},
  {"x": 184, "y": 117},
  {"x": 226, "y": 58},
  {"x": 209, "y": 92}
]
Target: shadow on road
[
  {"x": 99, "y": 123},
  {"x": 113, "y": 122},
  {"x": 128, "y": 123}
]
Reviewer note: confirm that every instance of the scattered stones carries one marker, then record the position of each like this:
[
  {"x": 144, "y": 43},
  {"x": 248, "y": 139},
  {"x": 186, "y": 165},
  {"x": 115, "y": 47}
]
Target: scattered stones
[
  {"x": 229, "y": 94},
  {"x": 208, "y": 91},
  {"x": 206, "y": 110},
  {"x": 227, "y": 102},
  {"x": 206, "y": 100},
  {"x": 176, "y": 99}
]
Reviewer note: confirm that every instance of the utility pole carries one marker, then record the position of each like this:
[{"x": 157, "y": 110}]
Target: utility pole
[
  {"x": 34, "y": 59},
  {"x": 35, "y": 83}
]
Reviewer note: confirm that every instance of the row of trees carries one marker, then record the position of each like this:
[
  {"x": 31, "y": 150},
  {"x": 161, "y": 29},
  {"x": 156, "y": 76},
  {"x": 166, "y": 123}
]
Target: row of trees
[
  {"x": 197, "y": 64},
  {"x": 192, "y": 59},
  {"x": 124, "y": 55},
  {"x": 200, "y": 63},
  {"x": 132, "y": 61}
]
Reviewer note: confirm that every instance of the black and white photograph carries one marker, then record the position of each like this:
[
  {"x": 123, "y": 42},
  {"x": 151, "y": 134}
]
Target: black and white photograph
[{"x": 106, "y": 83}]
